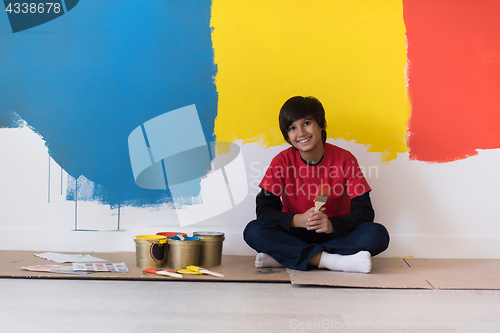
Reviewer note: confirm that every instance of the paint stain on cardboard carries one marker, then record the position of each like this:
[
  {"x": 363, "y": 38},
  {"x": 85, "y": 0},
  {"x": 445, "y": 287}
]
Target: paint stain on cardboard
[{"x": 267, "y": 271}]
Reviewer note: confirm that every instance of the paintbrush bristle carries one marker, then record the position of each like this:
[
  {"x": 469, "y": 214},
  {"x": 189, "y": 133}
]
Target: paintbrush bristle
[
  {"x": 321, "y": 198},
  {"x": 322, "y": 193},
  {"x": 324, "y": 190}
]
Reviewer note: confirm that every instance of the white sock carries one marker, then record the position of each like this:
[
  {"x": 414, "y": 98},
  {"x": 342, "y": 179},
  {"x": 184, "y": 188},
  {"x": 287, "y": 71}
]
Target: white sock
[
  {"x": 360, "y": 262},
  {"x": 265, "y": 260}
]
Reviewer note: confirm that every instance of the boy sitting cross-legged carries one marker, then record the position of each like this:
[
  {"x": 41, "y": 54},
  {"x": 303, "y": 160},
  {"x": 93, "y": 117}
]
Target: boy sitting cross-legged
[{"x": 288, "y": 232}]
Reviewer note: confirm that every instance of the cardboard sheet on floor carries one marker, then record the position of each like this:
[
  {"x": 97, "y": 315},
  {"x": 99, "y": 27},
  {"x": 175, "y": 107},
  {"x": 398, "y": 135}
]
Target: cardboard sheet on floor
[
  {"x": 391, "y": 273},
  {"x": 234, "y": 268},
  {"x": 458, "y": 273}
]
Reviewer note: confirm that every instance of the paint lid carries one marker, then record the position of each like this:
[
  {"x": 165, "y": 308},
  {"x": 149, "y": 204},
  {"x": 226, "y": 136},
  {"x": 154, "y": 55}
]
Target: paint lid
[
  {"x": 151, "y": 238},
  {"x": 171, "y": 234},
  {"x": 187, "y": 240},
  {"x": 210, "y": 236},
  {"x": 208, "y": 233}
]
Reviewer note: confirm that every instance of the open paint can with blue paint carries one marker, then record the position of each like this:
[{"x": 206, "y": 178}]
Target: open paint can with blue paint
[
  {"x": 211, "y": 247},
  {"x": 150, "y": 251},
  {"x": 184, "y": 252},
  {"x": 167, "y": 251}
]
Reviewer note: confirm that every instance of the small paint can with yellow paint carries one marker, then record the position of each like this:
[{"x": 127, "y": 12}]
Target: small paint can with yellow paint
[
  {"x": 211, "y": 247},
  {"x": 185, "y": 252},
  {"x": 150, "y": 251}
]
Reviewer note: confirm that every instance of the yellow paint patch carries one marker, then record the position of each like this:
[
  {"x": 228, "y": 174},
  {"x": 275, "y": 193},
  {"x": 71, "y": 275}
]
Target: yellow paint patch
[{"x": 349, "y": 54}]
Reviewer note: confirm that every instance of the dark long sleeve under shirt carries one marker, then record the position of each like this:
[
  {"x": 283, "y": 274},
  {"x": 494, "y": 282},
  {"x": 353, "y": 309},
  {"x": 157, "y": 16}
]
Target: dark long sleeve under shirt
[{"x": 269, "y": 208}]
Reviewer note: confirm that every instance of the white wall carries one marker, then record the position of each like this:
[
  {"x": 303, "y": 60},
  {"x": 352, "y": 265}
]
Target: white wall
[{"x": 431, "y": 210}]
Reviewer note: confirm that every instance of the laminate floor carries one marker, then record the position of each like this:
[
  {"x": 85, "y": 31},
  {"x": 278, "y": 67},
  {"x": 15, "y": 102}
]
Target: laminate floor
[{"x": 44, "y": 305}]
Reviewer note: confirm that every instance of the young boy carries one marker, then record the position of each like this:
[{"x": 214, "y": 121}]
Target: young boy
[{"x": 341, "y": 236}]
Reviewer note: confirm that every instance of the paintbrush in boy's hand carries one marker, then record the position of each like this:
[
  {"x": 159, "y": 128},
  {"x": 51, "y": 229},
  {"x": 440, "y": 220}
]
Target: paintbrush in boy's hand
[{"x": 321, "y": 196}]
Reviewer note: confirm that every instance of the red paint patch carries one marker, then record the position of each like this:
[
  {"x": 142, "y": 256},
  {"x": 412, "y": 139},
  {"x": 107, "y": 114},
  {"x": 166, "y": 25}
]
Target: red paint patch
[{"x": 454, "y": 77}]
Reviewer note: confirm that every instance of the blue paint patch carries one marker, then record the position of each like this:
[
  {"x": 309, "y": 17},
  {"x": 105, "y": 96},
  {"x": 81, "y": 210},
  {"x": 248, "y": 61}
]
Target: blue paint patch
[
  {"x": 267, "y": 271},
  {"x": 85, "y": 81}
]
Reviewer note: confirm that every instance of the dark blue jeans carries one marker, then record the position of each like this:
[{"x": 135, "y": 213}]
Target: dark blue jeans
[{"x": 293, "y": 249}]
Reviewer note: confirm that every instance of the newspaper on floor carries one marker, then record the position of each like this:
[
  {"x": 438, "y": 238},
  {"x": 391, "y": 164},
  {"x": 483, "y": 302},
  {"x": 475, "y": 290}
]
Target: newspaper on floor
[
  {"x": 55, "y": 269},
  {"x": 62, "y": 258},
  {"x": 80, "y": 268}
]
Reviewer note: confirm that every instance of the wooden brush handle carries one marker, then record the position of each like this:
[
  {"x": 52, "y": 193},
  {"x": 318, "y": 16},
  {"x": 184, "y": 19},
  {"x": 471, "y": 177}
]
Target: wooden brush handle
[{"x": 318, "y": 205}]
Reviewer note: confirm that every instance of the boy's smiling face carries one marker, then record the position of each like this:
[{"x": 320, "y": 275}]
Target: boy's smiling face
[{"x": 305, "y": 135}]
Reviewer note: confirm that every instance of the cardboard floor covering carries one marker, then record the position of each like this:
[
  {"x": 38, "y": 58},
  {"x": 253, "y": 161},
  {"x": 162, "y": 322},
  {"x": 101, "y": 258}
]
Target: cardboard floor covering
[
  {"x": 386, "y": 273},
  {"x": 234, "y": 268},
  {"x": 409, "y": 273},
  {"x": 390, "y": 273},
  {"x": 458, "y": 273}
]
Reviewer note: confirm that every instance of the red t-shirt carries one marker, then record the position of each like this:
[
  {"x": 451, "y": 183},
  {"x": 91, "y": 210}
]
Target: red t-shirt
[{"x": 297, "y": 183}]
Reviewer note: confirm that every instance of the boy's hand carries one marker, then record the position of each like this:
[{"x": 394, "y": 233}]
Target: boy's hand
[
  {"x": 300, "y": 220},
  {"x": 312, "y": 220},
  {"x": 319, "y": 222}
]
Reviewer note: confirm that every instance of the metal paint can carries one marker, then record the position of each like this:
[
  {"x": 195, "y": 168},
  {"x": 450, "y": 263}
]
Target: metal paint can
[
  {"x": 150, "y": 251},
  {"x": 167, "y": 252},
  {"x": 211, "y": 247},
  {"x": 184, "y": 253}
]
